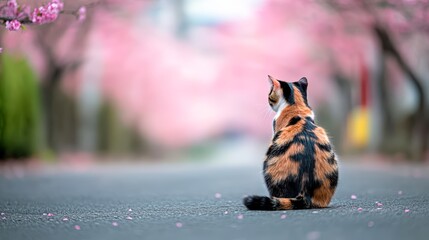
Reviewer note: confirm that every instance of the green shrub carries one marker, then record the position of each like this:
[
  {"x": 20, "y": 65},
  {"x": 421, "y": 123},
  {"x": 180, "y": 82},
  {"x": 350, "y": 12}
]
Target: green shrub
[{"x": 19, "y": 109}]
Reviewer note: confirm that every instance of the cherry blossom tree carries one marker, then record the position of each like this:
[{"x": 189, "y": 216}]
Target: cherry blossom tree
[
  {"x": 391, "y": 26},
  {"x": 55, "y": 40},
  {"x": 44, "y": 39}
]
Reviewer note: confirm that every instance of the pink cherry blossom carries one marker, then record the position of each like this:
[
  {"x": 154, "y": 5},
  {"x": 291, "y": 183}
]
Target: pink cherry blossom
[
  {"x": 13, "y": 25},
  {"x": 12, "y": 5},
  {"x": 81, "y": 13},
  {"x": 48, "y": 12}
]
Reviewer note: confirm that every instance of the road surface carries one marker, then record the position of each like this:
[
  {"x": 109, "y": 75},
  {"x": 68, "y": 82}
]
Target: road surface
[{"x": 203, "y": 201}]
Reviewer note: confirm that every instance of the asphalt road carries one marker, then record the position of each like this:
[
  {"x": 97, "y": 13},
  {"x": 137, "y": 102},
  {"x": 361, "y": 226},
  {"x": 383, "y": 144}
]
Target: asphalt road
[{"x": 204, "y": 202}]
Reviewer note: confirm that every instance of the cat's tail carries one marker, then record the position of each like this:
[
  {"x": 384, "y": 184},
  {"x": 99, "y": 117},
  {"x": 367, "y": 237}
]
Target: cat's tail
[{"x": 271, "y": 204}]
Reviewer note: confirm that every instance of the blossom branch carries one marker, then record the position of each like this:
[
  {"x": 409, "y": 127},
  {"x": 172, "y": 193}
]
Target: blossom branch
[{"x": 14, "y": 17}]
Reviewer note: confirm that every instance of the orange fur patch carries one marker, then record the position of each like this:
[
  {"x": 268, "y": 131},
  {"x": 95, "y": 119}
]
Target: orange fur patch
[
  {"x": 322, "y": 195},
  {"x": 285, "y": 203},
  {"x": 279, "y": 168},
  {"x": 321, "y": 135},
  {"x": 288, "y": 133}
]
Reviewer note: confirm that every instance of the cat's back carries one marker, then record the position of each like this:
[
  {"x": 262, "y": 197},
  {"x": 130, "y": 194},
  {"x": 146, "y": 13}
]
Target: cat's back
[{"x": 301, "y": 141}]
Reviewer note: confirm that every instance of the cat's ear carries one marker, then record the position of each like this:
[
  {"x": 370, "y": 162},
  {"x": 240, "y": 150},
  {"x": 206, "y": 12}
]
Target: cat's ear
[
  {"x": 303, "y": 83},
  {"x": 274, "y": 82}
]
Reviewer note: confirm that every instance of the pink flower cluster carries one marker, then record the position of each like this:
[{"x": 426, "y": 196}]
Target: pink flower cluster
[
  {"x": 13, "y": 25},
  {"x": 15, "y": 15},
  {"x": 10, "y": 10},
  {"x": 47, "y": 13}
]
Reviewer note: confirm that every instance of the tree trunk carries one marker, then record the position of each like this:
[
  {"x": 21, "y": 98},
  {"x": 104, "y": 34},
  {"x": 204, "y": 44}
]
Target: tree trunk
[{"x": 419, "y": 117}]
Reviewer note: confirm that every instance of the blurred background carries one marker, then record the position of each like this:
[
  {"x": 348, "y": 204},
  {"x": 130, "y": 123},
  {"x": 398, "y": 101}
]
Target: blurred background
[{"x": 186, "y": 80}]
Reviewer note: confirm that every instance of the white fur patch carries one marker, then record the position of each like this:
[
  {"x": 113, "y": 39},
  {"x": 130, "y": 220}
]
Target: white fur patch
[
  {"x": 279, "y": 108},
  {"x": 312, "y": 115}
]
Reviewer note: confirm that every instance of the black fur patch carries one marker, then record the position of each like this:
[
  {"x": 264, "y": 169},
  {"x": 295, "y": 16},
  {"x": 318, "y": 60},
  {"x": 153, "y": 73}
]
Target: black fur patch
[
  {"x": 265, "y": 166},
  {"x": 309, "y": 119},
  {"x": 276, "y": 150},
  {"x": 276, "y": 136},
  {"x": 331, "y": 159},
  {"x": 301, "y": 203},
  {"x": 333, "y": 179},
  {"x": 259, "y": 203},
  {"x": 303, "y": 90},
  {"x": 288, "y": 92},
  {"x": 287, "y": 188},
  {"x": 294, "y": 121},
  {"x": 324, "y": 147}
]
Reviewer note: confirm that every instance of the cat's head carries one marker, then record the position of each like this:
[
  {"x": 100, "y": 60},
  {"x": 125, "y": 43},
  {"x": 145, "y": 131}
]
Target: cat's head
[{"x": 283, "y": 94}]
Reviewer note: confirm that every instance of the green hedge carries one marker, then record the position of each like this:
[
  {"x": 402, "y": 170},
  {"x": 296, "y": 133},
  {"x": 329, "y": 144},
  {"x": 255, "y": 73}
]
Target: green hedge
[{"x": 19, "y": 109}]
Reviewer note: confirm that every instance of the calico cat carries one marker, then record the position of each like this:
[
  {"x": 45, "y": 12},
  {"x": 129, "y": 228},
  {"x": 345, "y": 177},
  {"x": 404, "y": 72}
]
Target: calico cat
[{"x": 300, "y": 168}]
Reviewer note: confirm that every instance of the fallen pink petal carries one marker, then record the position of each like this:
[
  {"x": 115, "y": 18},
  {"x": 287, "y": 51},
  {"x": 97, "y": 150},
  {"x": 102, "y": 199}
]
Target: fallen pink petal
[
  {"x": 50, "y": 214},
  {"x": 130, "y": 210},
  {"x": 379, "y": 204},
  {"x": 353, "y": 197},
  {"x": 115, "y": 224},
  {"x": 313, "y": 235},
  {"x": 407, "y": 210},
  {"x": 218, "y": 195},
  {"x": 226, "y": 212},
  {"x": 179, "y": 225},
  {"x": 77, "y": 227},
  {"x": 240, "y": 216},
  {"x": 283, "y": 216},
  {"x": 129, "y": 218},
  {"x": 360, "y": 209},
  {"x": 399, "y": 192},
  {"x": 65, "y": 219}
]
